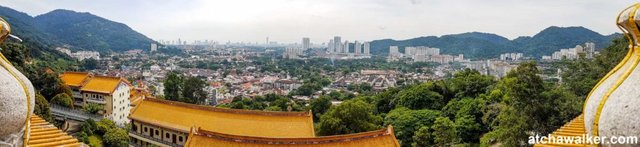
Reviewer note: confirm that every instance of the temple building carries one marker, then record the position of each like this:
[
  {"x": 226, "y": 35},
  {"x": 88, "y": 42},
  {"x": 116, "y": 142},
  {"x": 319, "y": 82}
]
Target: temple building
[
  {"x": 378, "y": 138},
  {"x": 75, "y": 80},
  {"x": 168, "y": 123},
  {"x": 110, "y": 93}
]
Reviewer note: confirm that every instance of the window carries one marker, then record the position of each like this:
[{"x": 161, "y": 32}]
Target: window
[
  {"x": 145, "y": 129},
  {"x": 157, "y": 132},
  {"x": 135, "y": 128},
  {"x": 180, "y": 139},
  {"x": 173, "y": 138},
  {"x": 166, "y": 135}
]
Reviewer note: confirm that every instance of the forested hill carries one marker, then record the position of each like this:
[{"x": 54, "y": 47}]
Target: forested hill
[
  {"x": 486, "y": 45},
  {"x": 82, "y": 31},
  {"x": 89, "y": 31}
]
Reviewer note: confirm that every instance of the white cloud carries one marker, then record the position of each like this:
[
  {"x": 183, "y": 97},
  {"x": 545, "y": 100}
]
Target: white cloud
[{"x": 289, "y": 20}]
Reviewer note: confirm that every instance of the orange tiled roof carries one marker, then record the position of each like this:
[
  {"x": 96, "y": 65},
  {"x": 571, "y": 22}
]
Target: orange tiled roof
[
  {"x": 45, "y": 134},
  {"x": 573, "y": 128},
  {"x": 379, "y": 138},
  {"x": 74, "y": 78},
  {"x": 181, "y": 117},
  {"x": 102, "y": 84}
]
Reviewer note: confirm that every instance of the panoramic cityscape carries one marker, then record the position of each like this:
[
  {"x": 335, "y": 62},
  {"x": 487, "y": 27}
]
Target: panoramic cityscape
[{"x": 328, "y": 73}]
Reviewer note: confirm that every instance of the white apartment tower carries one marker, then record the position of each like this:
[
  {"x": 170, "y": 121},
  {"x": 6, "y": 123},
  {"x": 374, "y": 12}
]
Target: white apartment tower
[
  {"x": 154, "y": 47},
  {"x": 345, "y": 49},
  {"x": 357, "y": 48},
  {"x": 337, "y": 44},
  {"x": 393, "y": 51},
  {"x": 305, "y": 43},
  {"x": 366, "y": 48},
  {"x": 331, "y": 46}
]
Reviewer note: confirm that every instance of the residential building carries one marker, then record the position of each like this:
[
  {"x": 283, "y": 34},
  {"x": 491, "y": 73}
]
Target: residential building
[
  {"x": 511, "y": 56},
  {"x": 306, "y": 43},
  {"x": 292, "y": 53},
  {"x": 394, "y": 54},
  {"x": 366, "y": 48},
  {"x": 586, "y": 51},
  {"x": 154, "y": 47},
  {"x": 345, "y": 48},
  {"x": 331, "y": 46},
  {"x": 357, "y": 48},
  {"x": 337, "y": 44}
]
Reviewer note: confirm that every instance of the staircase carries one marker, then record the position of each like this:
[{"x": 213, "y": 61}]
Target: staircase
[
  {"x": 573, "y": 128},
  {"x": 45, "y": 134}
]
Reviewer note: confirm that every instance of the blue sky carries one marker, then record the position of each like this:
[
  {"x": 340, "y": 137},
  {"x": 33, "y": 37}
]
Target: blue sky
[{"x": 290, "y": 20}]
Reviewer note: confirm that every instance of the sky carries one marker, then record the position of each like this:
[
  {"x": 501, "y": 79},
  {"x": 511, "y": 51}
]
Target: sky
[{"x": 288, "y": 21}]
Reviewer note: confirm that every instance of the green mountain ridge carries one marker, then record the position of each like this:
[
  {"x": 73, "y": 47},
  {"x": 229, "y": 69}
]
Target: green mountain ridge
[
  {"x": 85, "y": 31},
  {"x": 91, "y": 32},
  {"x": 80, "y": 31},
  {"x": 480, "y": 45}
]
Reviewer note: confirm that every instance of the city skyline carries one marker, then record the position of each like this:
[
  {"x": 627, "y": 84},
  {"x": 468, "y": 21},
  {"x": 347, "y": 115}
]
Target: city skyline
[{"x": 365, "y": 20}]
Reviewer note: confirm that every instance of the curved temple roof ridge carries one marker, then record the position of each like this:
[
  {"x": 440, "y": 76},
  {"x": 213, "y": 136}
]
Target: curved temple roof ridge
[
  {"x": 227, "y": 110},
  {"x": 199, "y": 132}
]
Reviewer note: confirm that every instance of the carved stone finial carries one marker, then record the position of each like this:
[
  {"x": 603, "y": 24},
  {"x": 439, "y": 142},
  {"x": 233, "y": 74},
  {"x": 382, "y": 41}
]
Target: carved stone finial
[{"x": 612, "y": 107}]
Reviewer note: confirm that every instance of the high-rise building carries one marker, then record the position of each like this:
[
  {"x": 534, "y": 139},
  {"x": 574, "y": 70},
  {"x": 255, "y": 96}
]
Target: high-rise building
[
  {"x": 590, "y": 49},
  {"x": 337, "y": 44},
  {"x": 393, "y": 51},
  {"x": 331, "y": 46},
  {"x": 366, "y": 48},
  {"x": 292, "y": 53},
  {"x": 345, "y": 49},
  {"x": 357, "y": 48},
  {"x": 154, "y": 47},
  {"x": 511, "y": 56},
  {"x": 305, "y": 43}
]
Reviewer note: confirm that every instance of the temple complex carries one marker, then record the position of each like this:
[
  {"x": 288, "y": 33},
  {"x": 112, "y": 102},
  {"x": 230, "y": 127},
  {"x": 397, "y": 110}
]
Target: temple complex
[
  {"x": 163, "y": 122},
  {"x": 112, "y": 94}
]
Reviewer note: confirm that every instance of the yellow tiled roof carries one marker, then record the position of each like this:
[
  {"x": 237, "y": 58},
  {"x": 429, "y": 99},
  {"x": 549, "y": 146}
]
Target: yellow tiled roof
[
  {"x": 379, "y": 138},
  {"x": 181, "y": 117},
  {"x": 74, "y": 78},
  {"x": 45, "y": 134},
  {"x": 573, "y": 128},
  {"x": 102, "y": 84}
]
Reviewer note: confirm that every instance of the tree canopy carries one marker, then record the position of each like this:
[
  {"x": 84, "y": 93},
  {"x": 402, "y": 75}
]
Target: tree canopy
[{"x": 351, "y": 116}]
